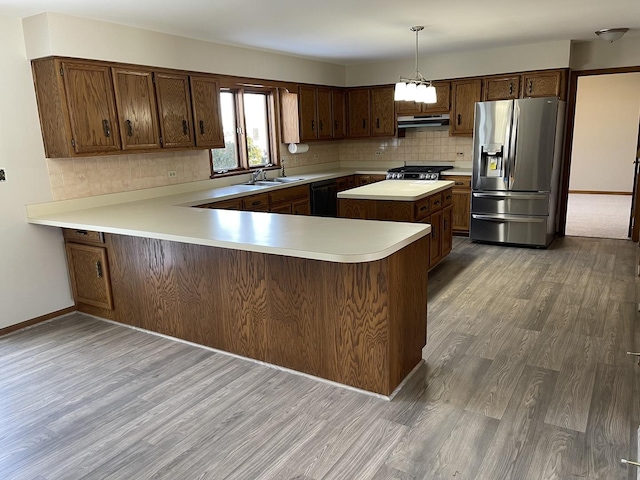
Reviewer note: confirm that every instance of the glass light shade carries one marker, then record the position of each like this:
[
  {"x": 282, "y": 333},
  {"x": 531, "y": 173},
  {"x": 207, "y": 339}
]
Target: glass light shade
[
  {"x": 421, "y": 93},
  {"x": 430, "y": 95},
  {"x": 400, "y": 92},
  {"x": 411, "y": 92}
]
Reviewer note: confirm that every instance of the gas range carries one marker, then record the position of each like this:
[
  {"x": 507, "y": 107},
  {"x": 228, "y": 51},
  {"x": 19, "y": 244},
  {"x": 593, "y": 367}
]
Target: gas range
[{"x": 416, "y": 172}]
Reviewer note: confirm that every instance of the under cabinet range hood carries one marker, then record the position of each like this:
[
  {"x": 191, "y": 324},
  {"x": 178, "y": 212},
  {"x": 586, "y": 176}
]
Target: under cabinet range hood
[{"x": 424, "y": 121}]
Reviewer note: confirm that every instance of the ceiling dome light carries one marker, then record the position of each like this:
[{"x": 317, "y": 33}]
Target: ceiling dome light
[
  {"x": 611, "y": 34},
  {"x": 415, "y": 88}
]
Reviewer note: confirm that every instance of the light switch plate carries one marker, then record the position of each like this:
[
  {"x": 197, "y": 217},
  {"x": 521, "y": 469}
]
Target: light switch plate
[{"x": 3, "y": 174}]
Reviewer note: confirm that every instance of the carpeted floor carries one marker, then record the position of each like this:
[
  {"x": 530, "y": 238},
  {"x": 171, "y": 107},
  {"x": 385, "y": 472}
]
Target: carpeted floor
[{"x": 603, "y": 216}]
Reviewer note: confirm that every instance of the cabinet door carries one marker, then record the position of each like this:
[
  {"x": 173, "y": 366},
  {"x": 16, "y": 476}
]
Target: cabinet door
[
  {"x": 465, "y": 95},
  {"x": 447, "y": 232},
  {"x": 543, "y": 84},
  {"x": 461, "y": 211},
  {"x": 137, "y": 113},
  {"x": 359, "y": 112},
  {"x": 301, "y": 207},
  {"x": 443, "y": 97},
  {"x": 92, "y": 107},
  {"x": 308, "y": 114},
  {"x": 285, "y": 208},
  {"x": 383, "y": 116},
  {"x": 174, "y": 107},
  {"x": 345, "y": 183},
  {"x": 89, "y": 272},
  {"x": 409, "y": 108},
  {"x": 256, "y": 203},
  {"x": 338, "y": 114},
  {"x": 501, "y": 88},
  {"x": 325, "y": 129},
  {"x": 207, "y": 117},
  {"x": 435, "y": 247}
]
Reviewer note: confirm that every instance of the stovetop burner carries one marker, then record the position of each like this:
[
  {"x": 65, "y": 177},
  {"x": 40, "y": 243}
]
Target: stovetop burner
[{"x": 416, "y": 172}]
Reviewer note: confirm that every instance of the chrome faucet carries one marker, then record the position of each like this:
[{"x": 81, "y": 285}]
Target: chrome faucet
[{"x": 255, "y": 175}]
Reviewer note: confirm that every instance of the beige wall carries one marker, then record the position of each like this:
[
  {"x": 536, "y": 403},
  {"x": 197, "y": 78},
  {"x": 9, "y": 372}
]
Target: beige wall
[
  {"x": 606, "y": 132},
  {"x": 465, "y": 64},
  {"x": 33, "y": 274},
  {"x": 600, "y": 54},
  {"x": 53, "y": 34}
]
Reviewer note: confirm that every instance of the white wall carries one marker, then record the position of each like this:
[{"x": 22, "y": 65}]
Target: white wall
[
  {"x": 606, "y": 132},
  {"x": 53, "y": 34},
  {"x": 516, "y": 58},
  {"x": 33, "y": 274},
  {"x": 600, "y": 54}
]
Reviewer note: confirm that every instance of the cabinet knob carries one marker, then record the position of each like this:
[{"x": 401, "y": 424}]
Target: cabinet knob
[
  {"x": 185, "y": 127},
  {"x": 530, "y": 87},
  {"x": 106, "y": 127},
  {"x": 511, "y": 88},
  {"x": 201, "y": 127},
  {"x": 459, "y": 183},
  {"x": 129, "y": 128}
]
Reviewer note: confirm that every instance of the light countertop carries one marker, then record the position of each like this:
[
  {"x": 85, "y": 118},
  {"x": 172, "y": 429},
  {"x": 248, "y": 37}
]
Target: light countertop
[
  {"x": 170, "y": 217},
  {"x": 463, "y": 172},
  {"x": 400, "y": 190}
]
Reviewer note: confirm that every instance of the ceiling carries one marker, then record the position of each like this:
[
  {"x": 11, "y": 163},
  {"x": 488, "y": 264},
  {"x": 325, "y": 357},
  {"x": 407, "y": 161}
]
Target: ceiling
[{"x": 355, "y": 31}]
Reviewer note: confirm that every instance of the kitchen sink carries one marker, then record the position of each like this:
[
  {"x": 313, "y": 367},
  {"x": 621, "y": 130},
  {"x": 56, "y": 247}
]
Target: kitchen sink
[
  {"x": 287, "y": 179},
  {"x": 272, "y": 181}
]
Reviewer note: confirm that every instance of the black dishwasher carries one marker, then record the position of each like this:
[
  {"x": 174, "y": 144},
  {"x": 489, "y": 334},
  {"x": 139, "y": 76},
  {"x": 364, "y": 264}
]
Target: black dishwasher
[{"x": 324, "y": 200}]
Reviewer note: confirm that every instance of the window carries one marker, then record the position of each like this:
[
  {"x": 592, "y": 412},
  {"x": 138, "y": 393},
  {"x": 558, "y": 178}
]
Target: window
[{"x": 248, "y": 126}]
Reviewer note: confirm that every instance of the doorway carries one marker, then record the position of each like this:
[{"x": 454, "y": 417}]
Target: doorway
[{"x": 603, "y": 136}]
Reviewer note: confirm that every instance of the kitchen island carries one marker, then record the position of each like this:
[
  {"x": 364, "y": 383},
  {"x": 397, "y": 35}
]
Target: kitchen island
[
  {"x": 419, "y": 201},
  {"x": 334, "y": 298}
]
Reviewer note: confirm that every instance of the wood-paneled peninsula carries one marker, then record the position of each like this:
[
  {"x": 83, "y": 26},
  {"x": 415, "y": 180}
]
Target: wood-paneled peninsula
[
  {"x": 420, "y": 201},
  {"x": 336, "y": 298}
]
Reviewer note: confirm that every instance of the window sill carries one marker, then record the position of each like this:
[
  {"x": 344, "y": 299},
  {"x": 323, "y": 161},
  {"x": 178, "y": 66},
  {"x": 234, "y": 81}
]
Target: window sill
[{"x": 233, "y": 173}]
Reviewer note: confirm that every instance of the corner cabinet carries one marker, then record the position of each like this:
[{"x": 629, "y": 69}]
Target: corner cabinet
[
  {"x": 465, "y": 94},
  {"x": 77, "y": 107}
]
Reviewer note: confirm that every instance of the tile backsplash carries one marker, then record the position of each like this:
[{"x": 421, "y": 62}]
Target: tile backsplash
[{"x": 86, "y": 177}]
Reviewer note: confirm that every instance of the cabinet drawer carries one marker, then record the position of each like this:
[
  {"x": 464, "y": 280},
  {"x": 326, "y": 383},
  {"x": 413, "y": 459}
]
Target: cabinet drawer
[
  {"x": 257, "y": 203},
  {"x": 435, "y": 202},
  {"x": 460, "y": 183},
  {"x": 421, "y": 209},
  {"x": 447, "y": 197},
  {"x": 82, "y": 236},
  {"x": 288, "y": 195}
]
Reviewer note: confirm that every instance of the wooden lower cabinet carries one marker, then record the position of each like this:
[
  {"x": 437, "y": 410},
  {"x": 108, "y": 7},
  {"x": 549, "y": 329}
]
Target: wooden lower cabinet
[
  {"x": 461, "y": 214},
  {"x": 364, "y": 179},
  {"x": 287, "y": 311},
  {"x": 89, "y": 275},
  {"x": 292, "y": 200},
  {"x": 436, "y": 210}
]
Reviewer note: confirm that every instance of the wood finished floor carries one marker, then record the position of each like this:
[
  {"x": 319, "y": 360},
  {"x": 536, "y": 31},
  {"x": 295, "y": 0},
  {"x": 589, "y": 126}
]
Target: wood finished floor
[{"x": 526, "y": 377}]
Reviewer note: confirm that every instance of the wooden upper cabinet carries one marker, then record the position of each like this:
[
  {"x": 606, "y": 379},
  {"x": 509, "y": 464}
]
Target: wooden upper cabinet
[
  {"x": 408, "y": 108},
  {"x": 543, "y": 84},
  {"x": 323, "y": 98},
  {"x": 338, "y": 114},
  {"x": 137, "y": 113},
  {"x": 465, "y": 94},
  {"x": 383, "y": 119},
  {"x": 501, "y": 88},
  {"x": 90, "y": 108},
  {"x": 307, "y": 113},
  {"x": 359, "y": 112},
  {"x": 174, "y": 109},
  {"x": 207, "y": 116}
]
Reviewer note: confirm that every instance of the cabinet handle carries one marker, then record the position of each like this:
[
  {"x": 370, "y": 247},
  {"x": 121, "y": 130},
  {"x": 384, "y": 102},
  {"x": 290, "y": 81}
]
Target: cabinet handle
[
  {"x": 256, "y": 203},
  {"x": 530, "y": 87},
  {"x": 437, "y": 202},
  {"x": 106, "y": 128},
  {"x": 313, "y": 125},
  {"x": 364, "y": 123},
  {"x": 201, "y": 127},
  {"x": 445, "y": 224},
  {"x": 129, "y": 128},
  {"x": 99, "y": 269},
  {"x": 82, "y": 233},
  {"x": 459, "y": 119},
  {"x": 448, "y": 197},
  {"x": 459, "y": 183},
  {"x": 423, "y": 208},
  {"x": 377, "y": 123},
  {"x": 511, "y": 88},
  {"x": 434, "y": 232},
  {"x": 321, "y": 125},
  {"x": 335, "y": 125},
  {"x": 185, "y": 127}
]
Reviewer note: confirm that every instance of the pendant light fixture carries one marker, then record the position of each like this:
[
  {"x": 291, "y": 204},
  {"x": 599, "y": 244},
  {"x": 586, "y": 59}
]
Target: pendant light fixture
[{"x": 416, "y": 88}]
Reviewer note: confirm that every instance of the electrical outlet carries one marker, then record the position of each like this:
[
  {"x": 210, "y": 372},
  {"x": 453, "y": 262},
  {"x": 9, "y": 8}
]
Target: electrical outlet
[
  {"x": 460, "y": 154},
  {"x": 378, "y": 153},
  {"x": 172, "y": 174},
  {"x": 3, "y": 174}
]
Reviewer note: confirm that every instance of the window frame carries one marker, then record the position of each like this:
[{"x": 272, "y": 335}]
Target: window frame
[{"x": 271, "y": 95}]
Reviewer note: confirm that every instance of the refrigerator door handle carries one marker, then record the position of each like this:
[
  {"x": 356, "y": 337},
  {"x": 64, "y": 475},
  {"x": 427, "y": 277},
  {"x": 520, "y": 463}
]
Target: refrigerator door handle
[
  {"x": 514, "y": 143},
  {"x": 509, "y": 218},
  {"x": 515, "y": 196}
]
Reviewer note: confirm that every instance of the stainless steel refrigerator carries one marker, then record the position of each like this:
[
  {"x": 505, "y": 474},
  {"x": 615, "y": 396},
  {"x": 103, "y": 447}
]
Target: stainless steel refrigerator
[{"x": 517, "y": 149}]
